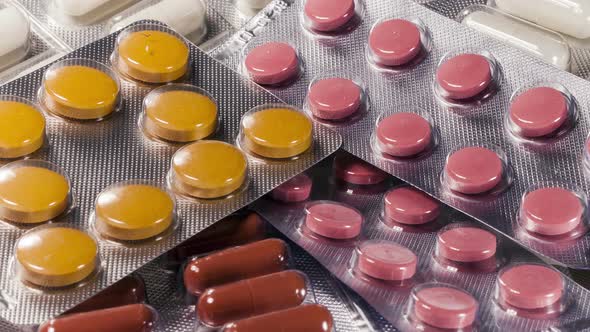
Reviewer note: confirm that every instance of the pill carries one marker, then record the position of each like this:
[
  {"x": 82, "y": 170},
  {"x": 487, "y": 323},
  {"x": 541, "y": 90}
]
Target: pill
[
  {"x": 538, "y": 112},
  {"x": 333, "y": 220},
  {"x": 152, "y": 56},
  {"x": 566, "y": 16},
  {"x": 308, "y": 318},
  {"x": 394, "y": 42},
  {"x": 473, "y": 170},
  {"x": 546, "y": 45},
  {"x": 277, "y": 132},
  {"x": 272, "y": 63},
  {"x": 465, "y": 244},
  {"x": 406, "y": 205},
  {"x": 403, "y": 134},
  {"x": 133, "y": 212},
  {"x": 530, "y": 286},
  {"x": 328, "y": 15},
  {"x": 249, "y": 7},
  {"x": 14, "y": 46},
  {"x": 296, "y": 189},
  {"x": 79, "y": 8},
  {"x": 251, "y": 297},
  {"x": 444, "y": 306},
  {"x": 31, "y": 194},
  {"x": 334, "y": 98},
  {"x": 386, "y": 260},
  {"x": 22, "y": 129},
  {"x": 356, "y": 171},
  {"x": 464, "y": 76},
  {"x": 179, "y": 113},
  {"x": 551, "y": 211},
  {"x": 55, "y": 256},
  {"x": 209, "y": 169},
  {"x": 128, "y": 318},
  {"x": 233, "y": 264},
  {"x": 80, "y": 92}
]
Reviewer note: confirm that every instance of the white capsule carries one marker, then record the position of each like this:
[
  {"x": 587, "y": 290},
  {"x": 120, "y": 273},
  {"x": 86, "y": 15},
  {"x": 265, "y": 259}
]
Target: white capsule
[
  {"x": 77, "y": 7},
  {"x": 250, "y": 7},
  {"x": 14, "y": 45}
]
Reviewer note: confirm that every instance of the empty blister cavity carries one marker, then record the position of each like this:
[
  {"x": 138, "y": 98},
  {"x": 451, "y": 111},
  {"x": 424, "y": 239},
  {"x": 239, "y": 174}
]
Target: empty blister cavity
[
  {"x": 357, "y": 172},
  {"x": 75, "y": 12},
  {"x": 331, "y": 18},
  {"x": 22, "y": 127},
  {"x": 332, "y": 220},
  {"x": 309, "y": 317},
  {"x": 272, "y": 64},
  {"x": 15, "y": 46},
  {"x": 408, "y": 208},
  {"x": 297, "y": 189},
  {"x": 384, "y": 262}
]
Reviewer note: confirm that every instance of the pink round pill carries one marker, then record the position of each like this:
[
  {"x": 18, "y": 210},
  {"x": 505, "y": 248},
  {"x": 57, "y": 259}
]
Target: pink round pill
[
  {"x": 530, "y": 286},
  {"x": 328, "y": 15},
  {"x": 334, "y": 98},
  {"x": 551, "y": 211},
  {"x": 539, "y": 111},
  {"x": 272, "y": 63},
  {"x": 356, "y": 171},
  {"x": 394, "y": 42},
  {"x": 386, "y": 261},
  {"x": 465, "y": 244},
  {"x": 410, "y": 206},
  {"x": 333, "y": 220},
  {"x": 403, "y": 134},
  {"x": 445, "y": 307},
  {"x": 464, "y": 76},
  {"x": 473, "y": 170},
  {"x": 296, "y": 189}
]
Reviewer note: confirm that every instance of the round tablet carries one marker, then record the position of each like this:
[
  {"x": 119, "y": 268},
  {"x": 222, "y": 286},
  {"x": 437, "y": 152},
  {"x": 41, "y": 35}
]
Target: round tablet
[
  {"x": 296, "y": 189},
  {"x": 272, "y": 63},
  {"x": 30, "y": 194},
  {"x": 22, "y": 129},
  {"x": 530, "y": 286},
  {"x": 410, "y": 206},
  {"x": 394, "y": 42},
  {"x": 133, "y": 212},
  {"x": 465, "y": 244},
  {"x": 56, "y": 256},
  {"x": 551, "y": 211},
  {"x": 209, "y": 169},
  {"x": 464, "y": 76},
  {"x": 179, "y": 115},
  {"x": 386, "y": 261},
  {"x": 152, "y": 56},
  {"x": 334, "y": 98},
  {"x": 356, "y": 171},
  {"x": 276, "y": 132},
  {"x": 328, "y": 15},
  {"x": 538, "y": 111},
  {"x": 403, "y": 134},
  {"x": 445, "y": 307},
  {"x": 79, "y": 92},
  {"x": 333, "y": 220},
  {"x": 473, "y": 170}
]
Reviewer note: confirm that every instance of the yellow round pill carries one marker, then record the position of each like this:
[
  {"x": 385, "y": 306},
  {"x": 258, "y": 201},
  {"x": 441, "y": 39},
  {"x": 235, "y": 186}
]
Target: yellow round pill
[
  {"x": 175, "y": 114},
  {"x": 209, "y": 169},
  {"x": 133, "y": 212},
  {"x": 56, "y": 256},
  {"x": 276, "y": 132},
  {"x": 22, "y": 129},
  {"x": 32, "y": 194},
  {"x": 79, "y": 91},
  {"x": 152, "y": 56}
]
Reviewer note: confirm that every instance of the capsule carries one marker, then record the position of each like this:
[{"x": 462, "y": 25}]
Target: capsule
[
  {"x": 251, "y": 297},
  {"x": 233, "y": 264},
  {"x": 308, "y": 318}
]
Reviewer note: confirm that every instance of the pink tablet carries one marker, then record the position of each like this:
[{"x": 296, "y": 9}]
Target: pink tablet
[
  {"x": 538, "y": 112},
  {"x": 473, "y": 170},
  {"x": 386, "y": 260},
  {"x": 328, "y": 15},
  {"x": 551, "y": 211},
  {"x": 296, "y": 189},
  {"x": 356, "y": 171},
  {"x": 394, "y": 42},
  {"x": 333, "y": 220},
  {"x": 406, "y": 205},
  {"x": 272, "y": 63},
  {"x": 403, "y": 134},
  {"x": 334, "y": 98},
  {"x": 465, "y": 244},
  {"x": 464, "y": 76},
  {"x": 530, "y": 286},
  {"x": 444, "y": 306}
]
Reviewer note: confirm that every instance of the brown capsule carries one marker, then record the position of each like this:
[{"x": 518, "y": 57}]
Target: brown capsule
[
  {"x": 233, "y": 264},
  {"x": 308, "y": 318},
  {"x": 251, "y": 297}
]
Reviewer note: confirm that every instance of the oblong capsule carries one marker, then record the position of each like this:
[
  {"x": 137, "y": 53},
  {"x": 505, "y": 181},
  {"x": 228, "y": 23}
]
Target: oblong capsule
[{"x": 308, "y": 318}]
